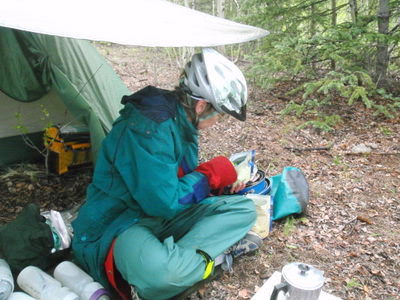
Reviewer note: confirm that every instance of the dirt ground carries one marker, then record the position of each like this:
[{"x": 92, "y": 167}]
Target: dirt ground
[{"x": 352, "y": 228}]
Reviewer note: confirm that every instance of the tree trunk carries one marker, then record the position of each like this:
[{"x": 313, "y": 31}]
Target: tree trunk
[
  {"x": 312, "y": 20},
  {"x": 334, "y": 22},
  {"x": 221, "y": 8},
  {"x": 221, "y": 13},
  {"x": 382, "y": 56},
  {"x": 353, "y": 10},
  {"x": 334, "y": 12}
]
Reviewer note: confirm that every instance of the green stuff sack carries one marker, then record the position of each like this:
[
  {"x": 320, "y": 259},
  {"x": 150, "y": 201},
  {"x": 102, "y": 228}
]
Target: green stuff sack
[
  {"x": 290, "y": 193},
  {"x": 28, "y": 240}
]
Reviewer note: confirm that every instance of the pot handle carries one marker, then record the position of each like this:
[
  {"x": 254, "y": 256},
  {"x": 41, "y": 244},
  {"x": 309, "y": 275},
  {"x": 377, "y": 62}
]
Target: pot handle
[{"x": 278, "y": 288}]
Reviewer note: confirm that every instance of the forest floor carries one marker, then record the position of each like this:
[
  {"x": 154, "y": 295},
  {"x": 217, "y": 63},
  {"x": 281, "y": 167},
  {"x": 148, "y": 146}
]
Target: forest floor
[{"x": 351, "y": 230}]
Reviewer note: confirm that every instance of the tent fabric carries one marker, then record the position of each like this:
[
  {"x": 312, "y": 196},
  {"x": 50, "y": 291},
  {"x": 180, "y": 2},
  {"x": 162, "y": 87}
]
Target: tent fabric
[
  {"x": 20, "y": 66},
  {"x": 34, "y": 116},
  {"x": 128, "y": 22},
  {"x": 85, "y": 82}
]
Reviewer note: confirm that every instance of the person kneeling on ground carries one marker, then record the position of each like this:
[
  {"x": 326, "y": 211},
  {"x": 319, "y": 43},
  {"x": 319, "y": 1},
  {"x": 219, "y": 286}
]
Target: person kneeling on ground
[{"x": 150, "y": 221}]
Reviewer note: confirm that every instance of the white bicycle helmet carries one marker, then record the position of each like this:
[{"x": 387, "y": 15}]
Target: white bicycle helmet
[{"x": 214, "y": 78}]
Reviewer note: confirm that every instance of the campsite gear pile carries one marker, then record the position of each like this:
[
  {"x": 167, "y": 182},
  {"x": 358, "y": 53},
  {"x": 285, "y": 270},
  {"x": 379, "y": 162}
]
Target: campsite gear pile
[
  {"x": 35, "y": 239},
  {"x": 289, "y": 190},
  {"x": 42, "y": 286},
  {"x": 69, "y": 283},
  {"x": 28, "y": 240},
  {"x": 68, "y": 148},
  {"x": 299, "y": 281}
]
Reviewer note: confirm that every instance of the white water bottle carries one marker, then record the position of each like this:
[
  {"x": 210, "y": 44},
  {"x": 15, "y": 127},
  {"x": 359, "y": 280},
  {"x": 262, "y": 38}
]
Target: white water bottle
[
  {"x": 42, "y": 286},
  {"x": 20, "y": 296},
  {"x": 6, "y": 280},
  {"x": 71, "y": 276}
]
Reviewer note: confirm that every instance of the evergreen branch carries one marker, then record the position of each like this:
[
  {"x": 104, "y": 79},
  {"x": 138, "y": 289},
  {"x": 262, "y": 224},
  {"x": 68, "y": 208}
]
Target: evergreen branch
[
  {"x": 330, "y": 11},
  {"x": 322, "y": 14},
  {"x": 390, "y": 52},
  {"x": 301, "y": 6},
  {"x": 394, "y": 29}
]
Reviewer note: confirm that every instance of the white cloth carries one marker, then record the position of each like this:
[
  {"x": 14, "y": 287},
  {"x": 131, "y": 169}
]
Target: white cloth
[{"x": 127, "y": 22}]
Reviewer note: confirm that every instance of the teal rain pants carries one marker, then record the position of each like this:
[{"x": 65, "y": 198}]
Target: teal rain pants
[{"x": 159, "y": 257}]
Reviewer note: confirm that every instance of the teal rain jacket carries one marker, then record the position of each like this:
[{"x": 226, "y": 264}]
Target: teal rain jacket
[{"x": 136, "y": 174}]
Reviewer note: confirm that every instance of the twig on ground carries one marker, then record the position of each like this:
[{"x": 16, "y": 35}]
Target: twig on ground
[
  {"x": 372, "y": 153},
  {"x": 308, "y": 149}
]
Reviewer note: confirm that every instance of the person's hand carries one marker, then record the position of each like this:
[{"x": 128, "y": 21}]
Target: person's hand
[{"x": 237, "y": 187}]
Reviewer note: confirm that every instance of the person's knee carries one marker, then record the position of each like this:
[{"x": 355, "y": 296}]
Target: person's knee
[
  {"x": 154, "y": 271},
  {"x": 159, "y": 278},
  {"x": 243, "y": 206}
]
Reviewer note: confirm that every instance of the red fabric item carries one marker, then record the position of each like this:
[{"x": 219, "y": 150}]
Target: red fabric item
[
  {"x": 114, "y": 276},
  {"x": 219, "y": 171},
  {"x": 180, "y": 172}
]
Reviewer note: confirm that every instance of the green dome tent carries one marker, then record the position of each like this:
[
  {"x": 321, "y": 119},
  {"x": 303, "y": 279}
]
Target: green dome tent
[{"x": 66, "y": 78}]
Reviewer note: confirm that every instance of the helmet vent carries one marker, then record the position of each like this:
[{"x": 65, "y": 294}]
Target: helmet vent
[{"x": 196, "y": 82}]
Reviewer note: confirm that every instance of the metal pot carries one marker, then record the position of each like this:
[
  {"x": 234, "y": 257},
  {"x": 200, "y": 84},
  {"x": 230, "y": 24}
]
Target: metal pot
[
  {"x": 299, "y": 281},
  {"x": 261, "y": 185}
]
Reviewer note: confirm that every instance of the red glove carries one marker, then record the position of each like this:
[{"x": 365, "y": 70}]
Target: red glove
[{"x": 219, "y": 171}]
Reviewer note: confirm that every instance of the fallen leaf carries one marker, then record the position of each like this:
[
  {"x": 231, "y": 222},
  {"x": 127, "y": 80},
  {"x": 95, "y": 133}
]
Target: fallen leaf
[
  {"x": 365, "y": 219},
  {"x": 244, "y": 294}
]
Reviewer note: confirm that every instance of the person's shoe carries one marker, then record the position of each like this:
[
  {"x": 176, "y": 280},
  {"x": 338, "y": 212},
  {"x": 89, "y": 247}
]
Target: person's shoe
[
  {"x": 134, "y": 294},
  {"x": 250, "y": 243}
]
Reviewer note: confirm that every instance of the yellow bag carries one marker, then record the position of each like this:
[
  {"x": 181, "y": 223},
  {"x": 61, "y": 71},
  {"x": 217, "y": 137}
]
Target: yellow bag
[{"x": 263, "y": 223}]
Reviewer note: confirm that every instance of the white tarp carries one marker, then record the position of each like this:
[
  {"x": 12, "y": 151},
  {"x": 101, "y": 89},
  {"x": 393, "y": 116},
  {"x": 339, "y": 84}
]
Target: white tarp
[{"x": 127, "y": 22}]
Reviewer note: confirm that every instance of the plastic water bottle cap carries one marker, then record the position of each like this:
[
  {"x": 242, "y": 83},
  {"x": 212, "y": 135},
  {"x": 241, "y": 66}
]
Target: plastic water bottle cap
[
  {"x": 94, "y": 291},
  {"x": 100, "y": 295}
]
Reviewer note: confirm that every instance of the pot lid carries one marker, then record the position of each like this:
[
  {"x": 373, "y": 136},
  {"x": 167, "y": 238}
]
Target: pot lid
[{"x": 303, "y": 276}]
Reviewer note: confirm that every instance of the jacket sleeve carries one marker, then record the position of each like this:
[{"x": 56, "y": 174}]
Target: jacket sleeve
[
  {"x": 220, "y": 172},
  {"x": 148, "y": 165}
]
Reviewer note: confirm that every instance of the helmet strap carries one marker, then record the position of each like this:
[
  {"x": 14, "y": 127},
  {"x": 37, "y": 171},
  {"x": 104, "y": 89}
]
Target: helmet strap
[
  {"x": 189, "y": 104},
  {"x": 208, "y": 116}
]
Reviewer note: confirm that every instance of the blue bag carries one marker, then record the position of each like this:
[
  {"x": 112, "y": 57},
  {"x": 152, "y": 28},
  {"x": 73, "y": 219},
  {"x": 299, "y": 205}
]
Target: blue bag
[{"x": 290, "y": 193}]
